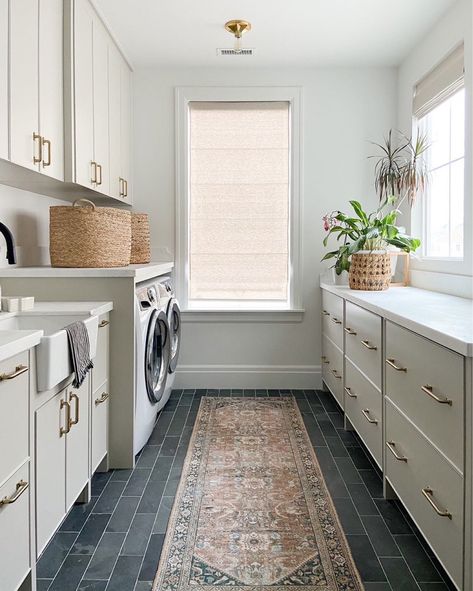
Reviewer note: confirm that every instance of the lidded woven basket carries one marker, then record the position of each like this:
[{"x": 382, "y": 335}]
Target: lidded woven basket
[
  {"x": 370, "y": 271},
  {"x": 140, "y": 239},
  {"x": 88, "y": 236}
]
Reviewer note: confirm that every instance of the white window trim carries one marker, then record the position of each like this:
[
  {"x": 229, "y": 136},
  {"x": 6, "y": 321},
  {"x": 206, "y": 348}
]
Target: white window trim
[{"x": 292, "y": 95}]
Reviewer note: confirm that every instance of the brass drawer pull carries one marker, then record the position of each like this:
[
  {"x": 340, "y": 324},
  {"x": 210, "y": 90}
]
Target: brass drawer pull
[
  {"x": 392, "y": 363},
  {"x": 335, "y": 320},
  {"x": 336, "y": 374},
  {"x": 324, "y": 359},
  {"x": 47, "y": 143},
  {"x": 103, "y": 398},
  {"x": 19, "y": 369},
  {"x": 37, "y": 159},
  {"x": 366, "y": 414},
  {"x": 76, "y": 409},
  {"x": 350, "y": 331},
  {"x": 350, "y": 393},
  {"x": 65, "y": 430},
  {"x": 94, "y": 169},
  {"x": 20, "y": 489},
  {"x": 121, "y": 186},
  {"x": 104, "y": 323},
  {"x": 126, "y": 188},
  {"x": 392, "y": 448},
  {"x": 99, "y": 167},
  {"x": 429, "y": 391},
  {"x": 429, "y": 495},
  {"x": 368, "y": 346},
  {"x": 325, "y": 313}
]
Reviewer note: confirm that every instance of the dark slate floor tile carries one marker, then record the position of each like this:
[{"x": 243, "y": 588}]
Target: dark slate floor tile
[
  {"x": 298, "y": 394},
  {"x": 348, "y": 471},
  {"x": 99, "y": 482},
  {"x": 377, "y": 586},
  {"x": 434, "y": 587},
  {"x": 143, "y": 586},
  {"x": 162, "y": 517},
  {"x": 137, "y": 538},
  {"x": 381, "y": 538},
  {"x": 186, "y": 435},
  {"x": 91, "y": 533},
  {"x": 162, "y": 468},
  {"x": 152, "y": 496},
  {"x": 122, "y": 475},
  {"x": 70, "y": 573},
  {"x": 315, "y": 434},
  {"x": 237, "y": 392},
  {"x": 137, "y": 482},
  {"x": 351, "y": 523},
  {"x": 125, "y": 573},
  {"x": 162, "y": 425},
  {"x": 123, "y": 514},
  {"x": 328, "y": 402},
  {"x": 393, "y": 517},
  {"x": 373, "y": 483},
  {"x": 151, "y": 559},
  {"x": 365, "y": 558},
  {"x": 303, "y": 405},
  {"x": 180, "y": 455},
  {"x": 78, "y": 515},
  {"x": 360, "y": 459},
  {"x": 416, "y": 557},
  {"x": 109, "y": 498},
  {"x": 326, "y": 426},
  {"x": 336, "y": 447},
  {"x": 272, "y": 393},
  {"x": 169, "y": 446},
  {"x": 399, "y": 575},
  {"x": 175, "y": 394},
  {"x": 148, "y": 456},
  {"x": 260, "y": 392},
  {"x": 173, "y": 481},
  {"x": 178, "y": 422},
  {"x": 249, "y": 393},
  {"x": 337, "y": 419},
  {"x": 362, "y": 499},
  {"x": 348, "y": 437},
  {"x": 225, "y": 393},
  {"x": 54, "y": 554},
  {"x": 92, "y": 585},
  {"x": 191, "y": 419},
  {"x": 43, "y": 584},
  {"x": 171, "y": 405},
  {"x": 336, "y": 485},
  {"x": 104, "y": 558}
]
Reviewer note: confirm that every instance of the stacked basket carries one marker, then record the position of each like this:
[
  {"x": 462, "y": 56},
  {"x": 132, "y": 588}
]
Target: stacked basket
[{"x": 88, "y": 236}]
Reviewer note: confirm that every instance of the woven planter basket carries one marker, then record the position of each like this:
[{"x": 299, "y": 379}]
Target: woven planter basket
[
  {"x": 88, "y": 236},
  {"x": 370, "y": 271},
  {"x": 140, "y": 240}
]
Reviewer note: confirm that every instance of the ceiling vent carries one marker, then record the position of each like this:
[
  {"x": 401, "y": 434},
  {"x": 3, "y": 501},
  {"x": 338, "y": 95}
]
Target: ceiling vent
[{"x": 246, "y": 51}]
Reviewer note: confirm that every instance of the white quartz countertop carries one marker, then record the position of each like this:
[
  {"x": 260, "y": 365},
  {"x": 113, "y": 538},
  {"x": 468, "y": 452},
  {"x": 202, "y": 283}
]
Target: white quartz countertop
[
  {"x": 443, "y": 318},
  {"x": 13, "y": 342},
  {"x": 138, "y": 272}
]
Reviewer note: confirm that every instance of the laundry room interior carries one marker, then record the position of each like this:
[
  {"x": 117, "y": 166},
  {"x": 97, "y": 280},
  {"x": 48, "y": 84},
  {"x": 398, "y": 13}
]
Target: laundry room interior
[{"x": 236, "y": 282}]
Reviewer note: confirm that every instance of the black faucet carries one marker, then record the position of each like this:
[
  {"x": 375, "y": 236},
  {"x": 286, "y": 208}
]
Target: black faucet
[{"x": 11, "y": 258}]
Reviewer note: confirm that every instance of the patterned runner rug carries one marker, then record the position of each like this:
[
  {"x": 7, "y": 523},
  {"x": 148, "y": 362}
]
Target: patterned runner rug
[{"x": 252, "y": 512}]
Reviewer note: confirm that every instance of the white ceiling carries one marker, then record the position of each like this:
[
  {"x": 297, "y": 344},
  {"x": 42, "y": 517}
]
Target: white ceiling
[{"x": 296, "y": 33}]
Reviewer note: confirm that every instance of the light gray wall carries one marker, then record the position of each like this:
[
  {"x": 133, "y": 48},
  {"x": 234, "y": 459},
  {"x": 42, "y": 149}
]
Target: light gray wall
[{"x": 342, "y": 110}]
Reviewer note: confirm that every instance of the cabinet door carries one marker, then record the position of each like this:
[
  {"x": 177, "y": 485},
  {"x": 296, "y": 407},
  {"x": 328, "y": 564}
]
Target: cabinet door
[
  {"x": 126, "y": 122},
  {"x": 83, "y": 93},
  {"x": 24, "y": 83},
  {"x": 100, "y": 406},
  {"x": 101, "y": 140},
  {"x": 77, "y": 443},
  {"x": 50, "y": 468},
  {"x": 4, "y": 79},
  {"x": 115, "y": 113},
  {"x": 51, "y": 109}
]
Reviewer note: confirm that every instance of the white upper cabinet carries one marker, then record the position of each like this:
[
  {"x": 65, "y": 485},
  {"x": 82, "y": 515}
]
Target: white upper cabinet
[
  {"x": 4, "y": 79},
  {"x": 125, "y": 138}
]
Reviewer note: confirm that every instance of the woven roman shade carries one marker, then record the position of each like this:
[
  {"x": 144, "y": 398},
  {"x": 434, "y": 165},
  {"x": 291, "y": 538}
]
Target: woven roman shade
[{"x": 441, "y": 83}]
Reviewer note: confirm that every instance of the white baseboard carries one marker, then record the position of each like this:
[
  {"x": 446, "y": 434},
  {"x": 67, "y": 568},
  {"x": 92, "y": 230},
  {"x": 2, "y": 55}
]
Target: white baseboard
[{"x": 279, "y": 377}]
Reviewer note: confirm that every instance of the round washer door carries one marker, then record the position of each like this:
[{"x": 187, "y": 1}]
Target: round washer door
[
  {"x": 157, "y": 355},
  {"x": 174, "y": 319}
]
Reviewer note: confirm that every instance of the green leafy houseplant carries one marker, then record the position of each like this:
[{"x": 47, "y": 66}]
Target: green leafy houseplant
[{"x": 365, "y": 232}]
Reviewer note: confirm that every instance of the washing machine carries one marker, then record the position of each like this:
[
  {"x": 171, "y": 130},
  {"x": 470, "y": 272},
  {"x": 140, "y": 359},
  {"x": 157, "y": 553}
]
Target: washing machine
[{"x": 157, "y": 343}]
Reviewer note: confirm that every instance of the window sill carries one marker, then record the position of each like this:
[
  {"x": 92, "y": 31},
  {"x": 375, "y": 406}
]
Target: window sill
[{"x": 249, "y": 316}]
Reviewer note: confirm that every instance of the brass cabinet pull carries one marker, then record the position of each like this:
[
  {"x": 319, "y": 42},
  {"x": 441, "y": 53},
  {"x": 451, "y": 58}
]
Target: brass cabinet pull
[
  {"x": 39, "y": 139},
  {"x": 76, "y": 409},
  {"x": 366, "y": 414},
  {"x": 368, "y": 346},
  {"x": 94, "y": 175},
  {"x": 392, "y": 448},
  {"x": 65, "y": 430},
  {"x": 126, "y": 188},
  {"x": 47, "y": 143},
  {"x": 336, "y": 374},
  {"x": 335, "y": 320},
  {"x": 104, "y": 323},
  {"x": 103, "y": 398},
  {"x": 121, "y": 186},
  {"x": 19, "y": 369},
  {"x": 392, "y": 363},
  {"x": 429, "y": 495},
  {"x": 350, "y": 393},
  {"x": 324, "y": 359},
  {"x": 350, "y": 331},
  {"x": 99, "y": 166},
  {"x": 440, "y": 399},
  {"x": 20, "y": 489},
  {"x": 325, "y": 313}
]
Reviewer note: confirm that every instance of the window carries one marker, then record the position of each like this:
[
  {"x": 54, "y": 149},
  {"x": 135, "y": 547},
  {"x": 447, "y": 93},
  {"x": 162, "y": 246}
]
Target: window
[
  {"x": 238, "y": 199},
  {"x": 440, "y": 109}
]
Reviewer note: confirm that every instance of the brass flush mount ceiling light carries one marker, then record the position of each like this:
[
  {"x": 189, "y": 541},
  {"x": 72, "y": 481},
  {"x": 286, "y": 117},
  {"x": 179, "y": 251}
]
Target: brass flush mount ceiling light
[{"x": 237, "y": 28}]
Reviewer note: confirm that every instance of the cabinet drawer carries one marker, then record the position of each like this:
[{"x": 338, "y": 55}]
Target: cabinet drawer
[
  {"x": 428, "y": 485},
  {"x": 332, "y": 317},
  {"x": 13, "y": 424},
  {"x": 101, "y": 361},
  {"x": 100, "y": 406},
  {"x": 363, "y": 341},
  {"x": 332, "y": 369},
  {"x": 426, "y": 372},
  {"x": 363, "y": 407},
  {"x": 15, "y": 529}
]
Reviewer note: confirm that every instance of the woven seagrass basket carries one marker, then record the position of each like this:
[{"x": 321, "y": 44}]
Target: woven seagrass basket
[
  {"x": 140, "y": 239},
  {"x": 88, "y": 236},
  {"x": 370, "y": 271}
]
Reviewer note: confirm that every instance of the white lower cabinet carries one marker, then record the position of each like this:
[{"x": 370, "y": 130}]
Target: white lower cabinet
[
  {"x": 332, "y": 368},
  {"x": 99, "y": 414}
]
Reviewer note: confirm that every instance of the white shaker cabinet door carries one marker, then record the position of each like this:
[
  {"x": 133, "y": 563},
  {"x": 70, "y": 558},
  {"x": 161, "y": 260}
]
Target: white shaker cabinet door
[
  {"x": 51, "y": 424},
  {"x": 114, "y": 85},
  {"x": 77, "y": 443},
  {"x": 51, "y": 108},
  {"x": 24, "y": 123},
  {"x": 4, "y": 136},
  {"x": 126, "y": 126}
]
